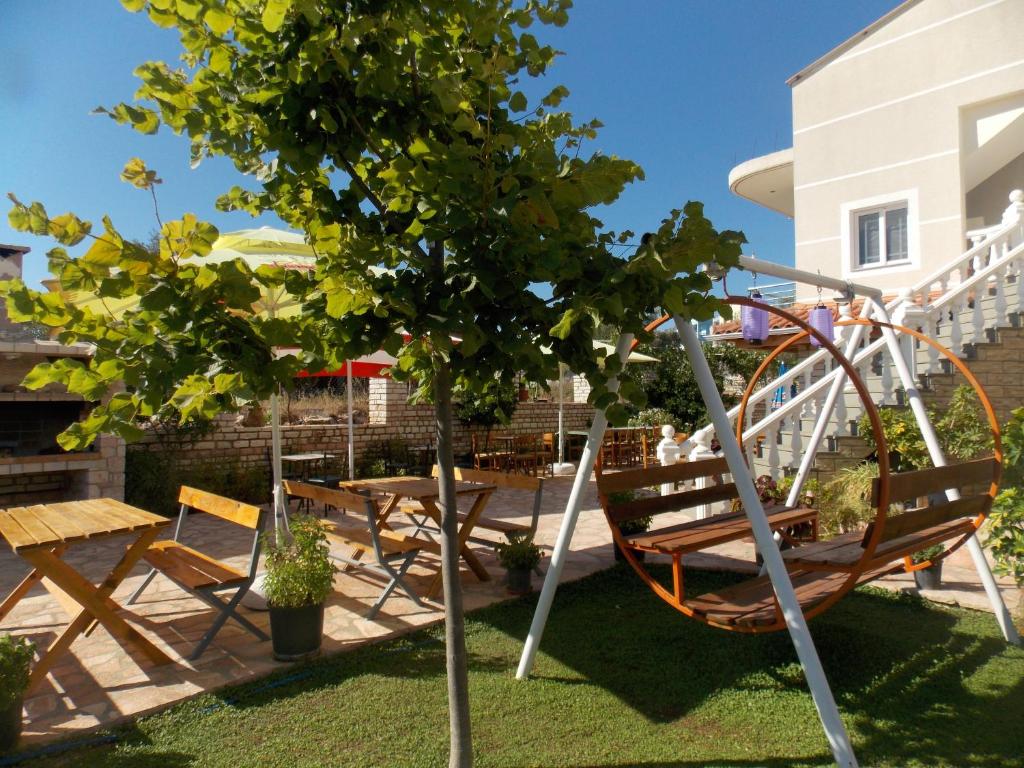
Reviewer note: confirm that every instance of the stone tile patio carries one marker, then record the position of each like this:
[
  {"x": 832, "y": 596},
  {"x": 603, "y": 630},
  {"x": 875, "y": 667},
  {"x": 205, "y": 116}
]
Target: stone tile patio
[{"x": 98, "y": 684}]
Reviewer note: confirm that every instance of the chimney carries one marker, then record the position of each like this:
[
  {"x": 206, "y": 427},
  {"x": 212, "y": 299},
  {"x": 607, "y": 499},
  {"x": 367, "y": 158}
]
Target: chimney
[{"x": 10, "y": 267}]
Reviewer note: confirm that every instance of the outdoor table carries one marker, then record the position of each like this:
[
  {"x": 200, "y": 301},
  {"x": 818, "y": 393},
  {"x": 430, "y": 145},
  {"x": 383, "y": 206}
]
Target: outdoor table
[
  {"x": 305, "y": 460},
  {"x": 40, "y": 535},
  {"x": 426, "y": 491}
]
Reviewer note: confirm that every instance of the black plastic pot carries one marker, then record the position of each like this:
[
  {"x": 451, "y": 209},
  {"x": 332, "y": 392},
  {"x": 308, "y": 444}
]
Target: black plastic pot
[
  {"x": 10, "y": 725},
  {"x": 296, "y": 633},
  {"x": 929, "y": 578},
  {"x": 520, "y": 581}
]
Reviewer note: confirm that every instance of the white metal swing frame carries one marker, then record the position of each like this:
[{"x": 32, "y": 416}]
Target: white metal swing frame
[{"x": 796, "y": 623}]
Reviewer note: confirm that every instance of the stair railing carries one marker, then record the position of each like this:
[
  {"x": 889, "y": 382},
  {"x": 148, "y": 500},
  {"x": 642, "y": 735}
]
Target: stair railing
[{"x": 974, "y": 268}]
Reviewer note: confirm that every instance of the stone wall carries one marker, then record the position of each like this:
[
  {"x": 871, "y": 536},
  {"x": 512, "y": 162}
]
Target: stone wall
[{"x": 410, "y": 424}]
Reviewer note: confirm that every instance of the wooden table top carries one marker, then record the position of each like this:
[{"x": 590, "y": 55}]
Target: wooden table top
[
  {"x": 415, "y": 487},
  {"x": 46, "y": 525}
]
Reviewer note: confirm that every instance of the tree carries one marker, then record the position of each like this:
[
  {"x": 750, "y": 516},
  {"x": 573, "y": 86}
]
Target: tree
[
  {"x": 669, "y": 384},
  {"x": 439, "y": 201}
]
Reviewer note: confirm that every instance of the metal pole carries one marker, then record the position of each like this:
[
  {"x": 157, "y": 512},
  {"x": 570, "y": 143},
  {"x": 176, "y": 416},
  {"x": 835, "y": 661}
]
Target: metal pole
[
  {"x": 280, "y": 513},
  {"x": 351, "y": 428},
  {"x": 762, "y": 267},
  {"x": 572, "y": 513},
  {"x": 939, "y": 460},
  {"x": 825, "y": 414},
  {"x": 838, "y": 738},
  {"x": 561, "y": 416}
]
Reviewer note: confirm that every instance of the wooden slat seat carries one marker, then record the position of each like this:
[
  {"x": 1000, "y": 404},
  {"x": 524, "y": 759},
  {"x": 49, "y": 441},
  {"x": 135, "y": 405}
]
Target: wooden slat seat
[
  {"x": 844, "y": 552},
  {"x": 701, "y": 534},
  {"x": 752, "y": 603},
  {"x": 189, "y": 567}
]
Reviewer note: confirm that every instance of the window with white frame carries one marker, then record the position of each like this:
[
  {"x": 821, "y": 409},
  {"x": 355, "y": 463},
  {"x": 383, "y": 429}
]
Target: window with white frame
[{"x": 881, "y": 235}]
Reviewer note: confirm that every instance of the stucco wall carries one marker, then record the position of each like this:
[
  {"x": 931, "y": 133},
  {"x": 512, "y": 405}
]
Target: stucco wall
[{"x": 884, "y": 118}]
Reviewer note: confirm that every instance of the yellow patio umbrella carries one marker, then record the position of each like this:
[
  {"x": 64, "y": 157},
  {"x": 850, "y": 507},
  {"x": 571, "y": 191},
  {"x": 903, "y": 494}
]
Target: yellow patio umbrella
[{"x": 262, "y": 247}]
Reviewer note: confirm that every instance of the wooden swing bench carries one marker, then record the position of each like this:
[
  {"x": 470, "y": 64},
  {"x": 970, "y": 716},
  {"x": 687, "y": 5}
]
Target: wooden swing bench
[{"x": 819, "y": 570}]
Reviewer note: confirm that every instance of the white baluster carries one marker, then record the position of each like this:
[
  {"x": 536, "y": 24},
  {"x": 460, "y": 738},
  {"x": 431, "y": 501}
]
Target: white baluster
[
  {"x": 956, "y": 333},
  {"x": 774, "y": 463},
  {"x": 1019, "y": 279},
  {"x": 932, "y": 329},
  {"x": 796, "y": 443},
  {"x": 977, "y": 329},
  {"x": 999, "y": 301},
  {"x": 807, "y": 409}
]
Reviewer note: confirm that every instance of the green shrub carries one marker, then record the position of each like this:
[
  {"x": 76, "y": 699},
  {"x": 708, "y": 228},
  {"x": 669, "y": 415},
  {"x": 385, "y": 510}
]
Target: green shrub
[
  {"x": 928, "y": 553},
  {"x": 844, "y": 503},
  {"x": 1006, "y": 534},
  {"x": 961, "y": 427},
  {"x": 152, "y": 479},
  {"x": 15, "y": 661},
  {"x": 299, "y": 572},
  {"x": 519, "y": 553},
  {"x": 654, "y": 417},
  {"x": 636, "y": 525}
]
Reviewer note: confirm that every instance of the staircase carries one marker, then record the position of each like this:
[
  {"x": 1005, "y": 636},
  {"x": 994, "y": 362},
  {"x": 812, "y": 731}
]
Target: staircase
[{"x": 974, "y": 306}]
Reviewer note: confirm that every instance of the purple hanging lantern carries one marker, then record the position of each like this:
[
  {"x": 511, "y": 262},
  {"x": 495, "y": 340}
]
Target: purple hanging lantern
[
  {"x": 754, "y": 321},
  {"x": 820, "y": 319}
]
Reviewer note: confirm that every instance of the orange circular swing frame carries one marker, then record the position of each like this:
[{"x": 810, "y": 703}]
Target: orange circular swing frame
[
  {"x": 881, "y": 509},
  {"x": 908, "y": 564},
  {"x": 847, "y": 584}
]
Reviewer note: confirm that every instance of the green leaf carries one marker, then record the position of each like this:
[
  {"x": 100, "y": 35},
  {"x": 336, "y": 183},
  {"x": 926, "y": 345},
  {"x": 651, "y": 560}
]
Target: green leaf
[
  {"x": 136, "y": 174},
  {"x": 218, "y": 21},
  {"x": 518, "y": 102},
  {"x": 274, "y": 13}
]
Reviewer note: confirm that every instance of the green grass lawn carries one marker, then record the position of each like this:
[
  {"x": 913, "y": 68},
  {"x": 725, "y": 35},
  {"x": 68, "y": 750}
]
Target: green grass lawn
[{"x": 622, "y": 680}]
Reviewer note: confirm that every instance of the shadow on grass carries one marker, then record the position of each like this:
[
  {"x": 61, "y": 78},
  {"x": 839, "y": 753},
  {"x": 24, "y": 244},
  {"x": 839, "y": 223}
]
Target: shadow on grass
[{"x": 914, "y": 682}]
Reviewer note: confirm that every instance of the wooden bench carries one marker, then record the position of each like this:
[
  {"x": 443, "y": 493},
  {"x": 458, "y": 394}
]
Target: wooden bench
[
  {"x": 201, "y": 574},
  {"x": 392, "y": 552},
  {"x": 679, "y": 539},
  {"x": 818, "y": 570}
]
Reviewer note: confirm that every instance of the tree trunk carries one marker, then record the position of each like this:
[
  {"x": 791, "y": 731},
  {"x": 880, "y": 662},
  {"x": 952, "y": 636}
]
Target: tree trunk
[{"x": 461, "y": 755}]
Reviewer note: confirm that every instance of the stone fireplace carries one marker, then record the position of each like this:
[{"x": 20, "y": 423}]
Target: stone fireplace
[{"x": 33, "y": 467}]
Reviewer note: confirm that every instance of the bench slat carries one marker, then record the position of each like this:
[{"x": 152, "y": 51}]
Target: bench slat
[
  {"x": 927, "y": 517},
  {"x": 228, "y": 509},
  {"x": 631, "y": 479},
  {"x": 390, "y": 542},
  {"x": 702, "y": 534},
  {"x": 673, "y": 502},
  {"x": 193, "y": 569},
  {"x": 921, "y": 482}
]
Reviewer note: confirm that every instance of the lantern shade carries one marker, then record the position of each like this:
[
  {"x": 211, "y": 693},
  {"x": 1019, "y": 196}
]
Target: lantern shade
[
  {"x": 754, "y": 321},
  {"x": 820, "y": 318}
]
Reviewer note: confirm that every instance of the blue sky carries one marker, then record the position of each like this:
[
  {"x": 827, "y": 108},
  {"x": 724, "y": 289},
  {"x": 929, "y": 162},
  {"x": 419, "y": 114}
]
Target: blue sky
[{"x": 687, "y": 89}]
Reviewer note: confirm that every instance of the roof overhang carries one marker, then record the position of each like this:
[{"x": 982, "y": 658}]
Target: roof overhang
[{"x": 766, "y": 180}]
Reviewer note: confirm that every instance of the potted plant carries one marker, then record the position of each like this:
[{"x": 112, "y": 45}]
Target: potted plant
[
  {"x": 930, "y": 577},
  {"x": 15, "y": 659},
  {"x": 300, "y": 576},
  {"x": 519, "y": 556}
]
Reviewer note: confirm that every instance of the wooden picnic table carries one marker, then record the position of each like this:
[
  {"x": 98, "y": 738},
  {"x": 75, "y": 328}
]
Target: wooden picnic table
[
  {"x": 40, "y": 535},
  {"x": 425, "y": 491}
]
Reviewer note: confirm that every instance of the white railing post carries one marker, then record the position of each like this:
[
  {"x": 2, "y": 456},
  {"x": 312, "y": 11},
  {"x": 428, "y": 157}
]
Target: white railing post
[
  {"x": 668, "y": 454},
  {"x": 701, "y": 451}
]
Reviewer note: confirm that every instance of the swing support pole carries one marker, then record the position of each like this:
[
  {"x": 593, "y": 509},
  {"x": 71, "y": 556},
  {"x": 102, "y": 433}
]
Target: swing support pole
[
  {"x": 828, "y": 712},
  {"x": 572, "y": 514},
  {"x": 931, "y": 440}
]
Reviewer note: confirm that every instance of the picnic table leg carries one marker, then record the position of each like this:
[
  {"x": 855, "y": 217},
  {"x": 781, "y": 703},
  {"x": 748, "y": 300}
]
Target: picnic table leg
[
  {"x": 464, "y": 531},
  {"x": 94, "y": 602},
  {"x": 36, "y": 576}
]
